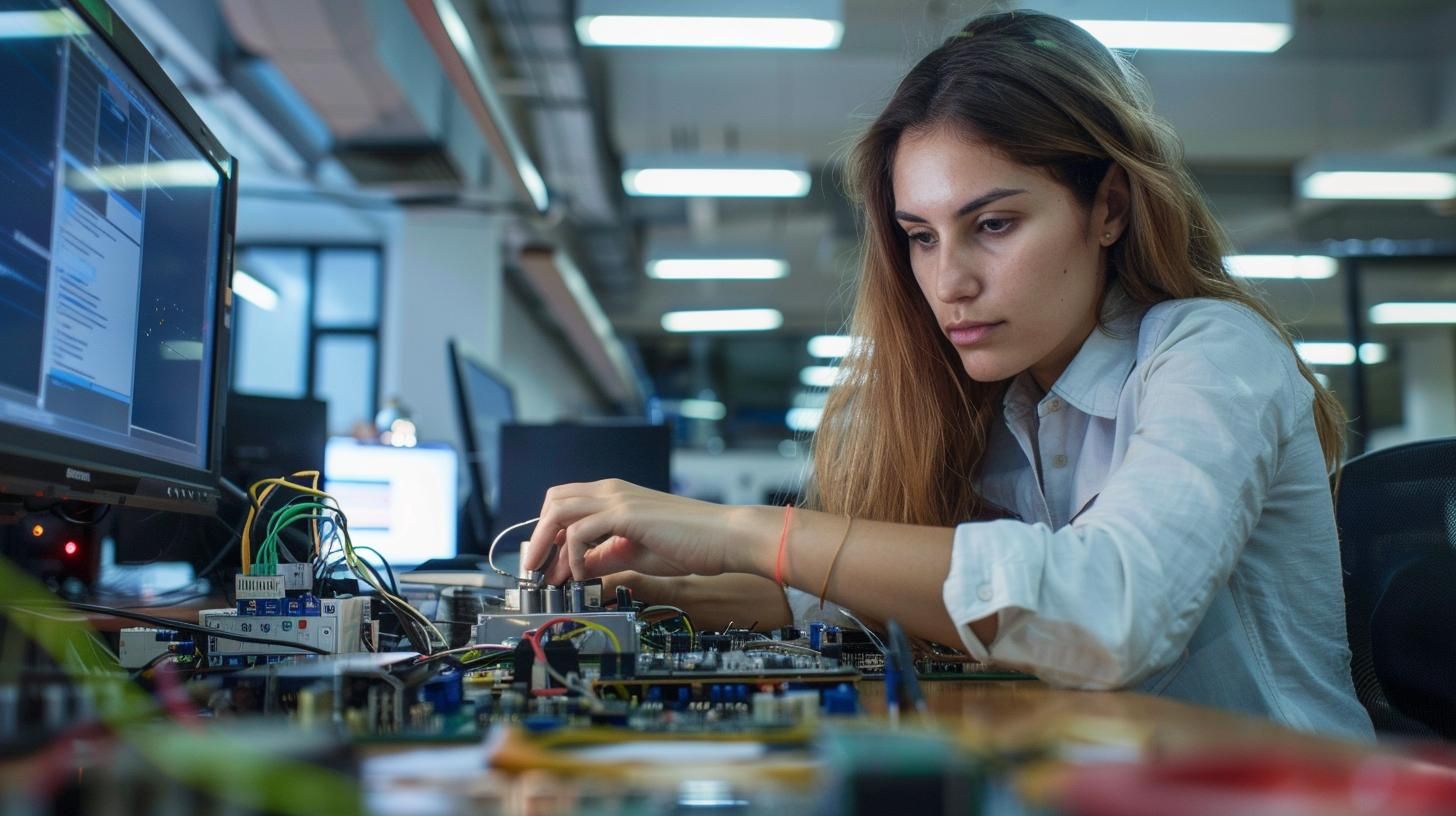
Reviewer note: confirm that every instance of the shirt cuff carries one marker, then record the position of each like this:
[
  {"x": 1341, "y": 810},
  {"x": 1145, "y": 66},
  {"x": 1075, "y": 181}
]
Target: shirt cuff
[{"x": 995, "y": 566}]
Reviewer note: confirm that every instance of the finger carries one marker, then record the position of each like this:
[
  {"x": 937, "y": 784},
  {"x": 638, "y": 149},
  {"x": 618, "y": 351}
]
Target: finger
[
  {"x": 616, "y": 554},
  {"x": 562, "y": 508},
  {"x": 581, "y": 535},
  {"x": 538, "y": 547}
]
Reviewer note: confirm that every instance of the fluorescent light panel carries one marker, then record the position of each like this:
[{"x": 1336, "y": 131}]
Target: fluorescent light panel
[
  {"x": 1304, "y": 267},
  {"x": 1341, "y": 353},
  {"x": 830, "y": 346},
  {"x": 710, "y": 410},
  {"x": 723, "y": 320},
  {"x": 1262, "y": 38},
  {"x": 803, "y": 420},
  {"x": 717, "y": 268},
  {"x": 710, "y": 32},
  {"x": 254, "y": 291},
  {"x": 1380, "y": 185},
  {"x": 716, "y": 182},
  {"x": 819, "y": 376},
  {"x": 1413, "y": 313},
  {"x": 776, "y": 24}
]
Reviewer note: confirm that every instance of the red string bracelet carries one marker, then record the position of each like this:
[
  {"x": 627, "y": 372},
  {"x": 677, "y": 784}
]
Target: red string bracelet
[{"x": 783, "y": 546}]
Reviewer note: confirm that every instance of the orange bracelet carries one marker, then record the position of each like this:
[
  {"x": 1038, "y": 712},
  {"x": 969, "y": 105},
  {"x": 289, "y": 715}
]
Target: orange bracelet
[
  {"x": 783, "y": 546},
  {"x": 824, "y": 590}
]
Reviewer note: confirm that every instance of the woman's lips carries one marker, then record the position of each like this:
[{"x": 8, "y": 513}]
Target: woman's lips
[{"x": 969, "y": 334}]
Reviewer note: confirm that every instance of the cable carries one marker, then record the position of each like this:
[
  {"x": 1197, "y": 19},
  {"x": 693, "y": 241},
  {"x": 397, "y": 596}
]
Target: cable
[
  {"x": 181, "y": 626},
  {"x": 760, "y": 645},
  {"x": 490, "y": 554}
]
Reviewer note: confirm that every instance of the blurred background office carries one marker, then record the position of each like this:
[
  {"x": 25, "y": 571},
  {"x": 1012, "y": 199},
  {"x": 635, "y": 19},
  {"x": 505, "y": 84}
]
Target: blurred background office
[{"x": 627, "y": 221}]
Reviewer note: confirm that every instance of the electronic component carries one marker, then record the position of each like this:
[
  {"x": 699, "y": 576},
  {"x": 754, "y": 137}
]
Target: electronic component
[
  {"x": 141, "y": 645},
  {"x": 508, "y": 629},
  {"x": 337, "y": 625}
]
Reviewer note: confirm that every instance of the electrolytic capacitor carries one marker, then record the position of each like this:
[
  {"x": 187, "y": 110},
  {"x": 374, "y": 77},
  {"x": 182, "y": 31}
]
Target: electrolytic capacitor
[
  {"x": 816, "y": 635},
  {"x": 555, "y": 600}
]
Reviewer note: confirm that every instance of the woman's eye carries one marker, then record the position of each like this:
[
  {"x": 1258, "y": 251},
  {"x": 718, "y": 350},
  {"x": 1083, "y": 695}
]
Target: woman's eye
[
  {"x": 996, "y": 226},
  {"x": 922, "y": 238}
]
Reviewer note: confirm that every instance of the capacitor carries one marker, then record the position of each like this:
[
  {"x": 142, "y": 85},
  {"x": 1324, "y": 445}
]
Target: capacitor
[
  {"x": 531, "y": 600},
  {"x": 816, "y": 635},
  {"x": 624, "y": 599},
  {"x": 555, "y": 600}
]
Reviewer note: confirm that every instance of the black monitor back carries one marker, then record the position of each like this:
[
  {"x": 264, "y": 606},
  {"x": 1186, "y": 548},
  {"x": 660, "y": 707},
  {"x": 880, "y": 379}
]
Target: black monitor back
[{"x": 535, "y": 458}]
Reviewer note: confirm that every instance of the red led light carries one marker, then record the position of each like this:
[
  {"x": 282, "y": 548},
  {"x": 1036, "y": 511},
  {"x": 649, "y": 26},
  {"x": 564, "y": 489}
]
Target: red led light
[
  {"x": 303, "y": 624},
  {"x": 71, "y": 548}
]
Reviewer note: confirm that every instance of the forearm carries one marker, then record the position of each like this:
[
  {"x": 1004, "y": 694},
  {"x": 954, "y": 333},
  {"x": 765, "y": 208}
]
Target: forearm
[
  {"x": 883, "y": 571},
  {"x": 715, "y": 601}
]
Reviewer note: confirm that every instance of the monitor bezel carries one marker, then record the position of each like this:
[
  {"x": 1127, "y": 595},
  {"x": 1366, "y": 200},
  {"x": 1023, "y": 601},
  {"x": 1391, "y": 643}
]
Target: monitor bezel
[{"x": 36, "y": 464}]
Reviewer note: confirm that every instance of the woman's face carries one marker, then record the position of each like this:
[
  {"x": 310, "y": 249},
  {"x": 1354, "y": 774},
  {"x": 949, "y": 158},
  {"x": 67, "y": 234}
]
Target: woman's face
[{"x": 1010, "y": 263}]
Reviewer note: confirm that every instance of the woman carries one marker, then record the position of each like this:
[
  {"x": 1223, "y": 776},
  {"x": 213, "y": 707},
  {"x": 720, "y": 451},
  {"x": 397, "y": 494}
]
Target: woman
[{"x": 1067, "y": 440}]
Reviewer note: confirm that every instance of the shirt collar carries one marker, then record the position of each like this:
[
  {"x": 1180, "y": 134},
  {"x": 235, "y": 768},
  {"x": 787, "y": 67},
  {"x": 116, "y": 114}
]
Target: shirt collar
[{"x": 1092, "y": 382}]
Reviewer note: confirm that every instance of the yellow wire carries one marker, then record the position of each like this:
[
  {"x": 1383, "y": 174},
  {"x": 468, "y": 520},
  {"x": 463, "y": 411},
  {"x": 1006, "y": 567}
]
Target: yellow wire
[
  {"x": 612, "y": 636},
  {"x": 350, "y": 557}
]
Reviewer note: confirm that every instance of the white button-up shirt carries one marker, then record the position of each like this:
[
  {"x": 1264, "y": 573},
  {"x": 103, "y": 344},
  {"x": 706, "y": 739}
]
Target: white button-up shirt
[{"x": 1176, "y": 532}]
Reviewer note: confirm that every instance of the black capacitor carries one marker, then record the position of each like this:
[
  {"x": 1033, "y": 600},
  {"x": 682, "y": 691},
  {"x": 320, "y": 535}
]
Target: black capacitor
[
  {"x": 715, "y": 643},
  {"x": 624, "y": 599}
]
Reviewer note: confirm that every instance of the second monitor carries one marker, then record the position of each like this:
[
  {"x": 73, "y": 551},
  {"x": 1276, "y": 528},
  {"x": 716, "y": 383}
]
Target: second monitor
[{"x": 535, "y": 458}]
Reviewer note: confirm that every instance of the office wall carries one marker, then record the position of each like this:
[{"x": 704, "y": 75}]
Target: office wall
[
  {"x": 549, "y": 386},
  {"x": 444, "y": 280}
]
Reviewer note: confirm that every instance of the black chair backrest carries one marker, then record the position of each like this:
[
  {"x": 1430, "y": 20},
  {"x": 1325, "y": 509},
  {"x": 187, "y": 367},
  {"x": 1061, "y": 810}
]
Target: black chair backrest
[{"x": 1396, "y": 511}]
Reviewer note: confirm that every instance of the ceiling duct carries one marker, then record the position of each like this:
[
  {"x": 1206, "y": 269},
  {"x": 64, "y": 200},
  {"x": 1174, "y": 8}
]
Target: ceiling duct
[{"x": 350, "y": 62}]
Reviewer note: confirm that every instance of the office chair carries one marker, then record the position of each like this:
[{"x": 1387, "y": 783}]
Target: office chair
[{"x": 1396, "y": 511}]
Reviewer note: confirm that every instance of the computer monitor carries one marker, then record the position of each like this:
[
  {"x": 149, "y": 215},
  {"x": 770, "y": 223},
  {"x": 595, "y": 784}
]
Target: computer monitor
[
  {"x": 483, "y": 403},
  {"x": 116, "y": 241},
  {"x": 399, "y": 501},
  {"x": 535, "y": 458}
]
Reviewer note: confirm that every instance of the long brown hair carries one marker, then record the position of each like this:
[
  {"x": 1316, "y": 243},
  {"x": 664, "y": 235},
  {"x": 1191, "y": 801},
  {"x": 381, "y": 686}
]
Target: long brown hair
[{"x": 902, "y": 435}]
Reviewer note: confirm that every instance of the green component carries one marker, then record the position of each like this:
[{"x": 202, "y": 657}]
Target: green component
[{"x": 100, "y": 13}]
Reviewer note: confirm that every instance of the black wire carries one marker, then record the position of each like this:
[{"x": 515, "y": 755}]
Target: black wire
[{"x": 184, "y": 626}]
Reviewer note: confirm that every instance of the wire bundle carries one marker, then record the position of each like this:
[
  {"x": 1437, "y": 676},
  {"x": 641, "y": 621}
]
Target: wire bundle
[{"x": 316, "y": 507}]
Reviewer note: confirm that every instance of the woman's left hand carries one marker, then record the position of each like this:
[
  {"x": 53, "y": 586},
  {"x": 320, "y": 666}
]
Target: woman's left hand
[{"x": 612, "y": 526}]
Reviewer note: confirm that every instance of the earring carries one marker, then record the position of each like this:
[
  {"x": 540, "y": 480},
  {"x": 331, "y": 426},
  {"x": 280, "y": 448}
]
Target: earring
[{"x": 1107, "y": 236}]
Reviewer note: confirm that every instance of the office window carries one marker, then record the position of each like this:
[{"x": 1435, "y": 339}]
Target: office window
[{"x": 321, "y": 336}]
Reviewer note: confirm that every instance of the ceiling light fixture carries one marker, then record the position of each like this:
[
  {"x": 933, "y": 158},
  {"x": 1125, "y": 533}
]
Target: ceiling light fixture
[
  {"x": 830, "y": 346},
  {"x": 254, "y": 291},
  {"x": 1413, "y": 313},
  {"x": 819, "y": 376},
  {"x": 717, "y": 268},
  {"x": 1341, "y": 353},
  {"x": 1287, "y": 267},
  {"x": 731, "y": 175},
  {"x": 1376, "y": 177},
  {"x": 1256, "y": 26},
  {"x": 778, "y": 24},
  {"x": 723, "y": 320}
]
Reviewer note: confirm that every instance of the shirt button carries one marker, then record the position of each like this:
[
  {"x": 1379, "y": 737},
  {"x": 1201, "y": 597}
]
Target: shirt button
[
  {"x": 984, "y": 592},
  {"x": 1054, "y": 406},
  {"x": 1059, "y": 461}
]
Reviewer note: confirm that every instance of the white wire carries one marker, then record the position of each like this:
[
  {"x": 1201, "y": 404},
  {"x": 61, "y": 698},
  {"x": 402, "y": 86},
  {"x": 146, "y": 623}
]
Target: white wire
[{"x": 490, "y": 554}]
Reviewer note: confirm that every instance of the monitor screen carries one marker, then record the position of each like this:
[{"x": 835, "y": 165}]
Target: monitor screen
[
  {"x": 399, "y": 501},
  {"x": 115, "y": 230},
  {"x": 535, "y": 458},
  {"x": 486, "y": 403}
]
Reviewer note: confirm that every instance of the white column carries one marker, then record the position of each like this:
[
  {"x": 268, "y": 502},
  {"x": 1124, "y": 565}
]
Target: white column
[{"x": 1428, "y": 383}]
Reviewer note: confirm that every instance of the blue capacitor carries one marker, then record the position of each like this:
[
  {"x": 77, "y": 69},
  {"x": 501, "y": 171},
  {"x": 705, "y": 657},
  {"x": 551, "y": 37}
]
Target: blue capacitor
[
  {"x": 816, "y": 635},
  {"x": 840, "y": 700}
]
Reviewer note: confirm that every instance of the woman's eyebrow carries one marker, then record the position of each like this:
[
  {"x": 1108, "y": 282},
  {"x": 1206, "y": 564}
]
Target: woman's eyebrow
[{"x": 967, "y": 208}]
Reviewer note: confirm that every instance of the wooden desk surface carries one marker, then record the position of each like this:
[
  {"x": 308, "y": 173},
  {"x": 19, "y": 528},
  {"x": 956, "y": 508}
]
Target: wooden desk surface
[{"x": 1012, "y": 713}]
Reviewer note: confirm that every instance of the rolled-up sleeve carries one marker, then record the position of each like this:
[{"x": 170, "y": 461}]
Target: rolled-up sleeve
[{"x": 1114, "y": 596}]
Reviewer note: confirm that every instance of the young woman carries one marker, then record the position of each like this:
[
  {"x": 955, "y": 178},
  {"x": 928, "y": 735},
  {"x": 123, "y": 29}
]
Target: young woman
[{"x": 1066, "y": 440}]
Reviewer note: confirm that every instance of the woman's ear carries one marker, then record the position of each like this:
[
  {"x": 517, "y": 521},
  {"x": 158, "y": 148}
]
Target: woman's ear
[{"x": 1112, "y": 206}]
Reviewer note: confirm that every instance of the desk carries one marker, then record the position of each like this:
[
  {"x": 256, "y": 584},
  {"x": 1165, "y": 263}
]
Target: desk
[{"x": 986, "y": 718}]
